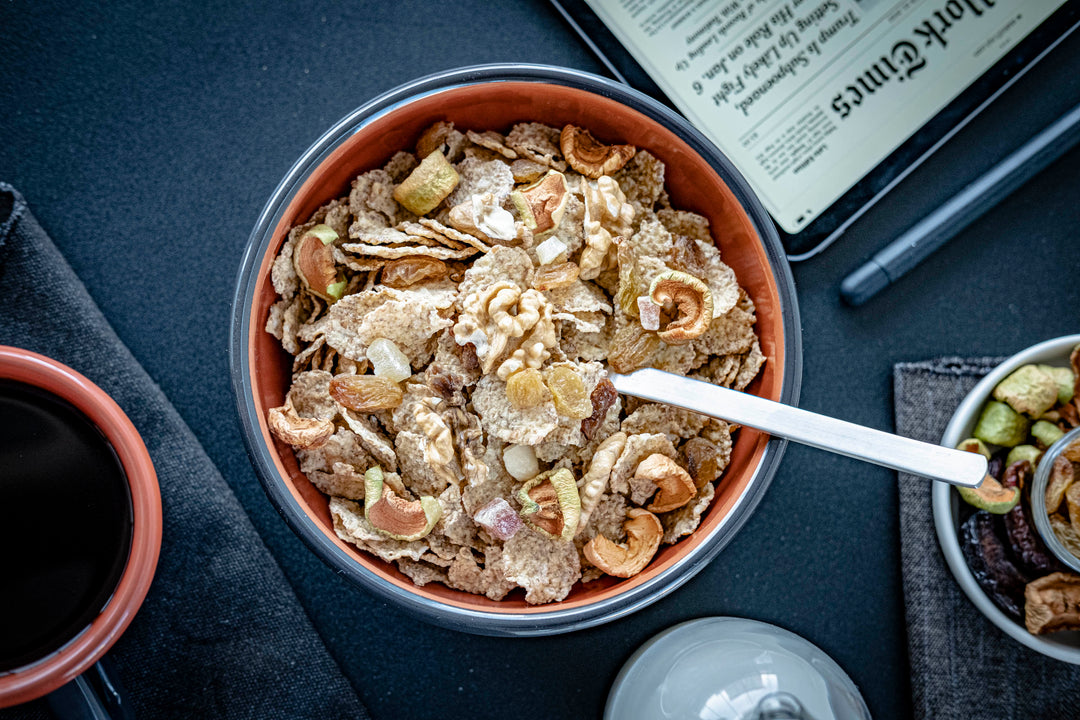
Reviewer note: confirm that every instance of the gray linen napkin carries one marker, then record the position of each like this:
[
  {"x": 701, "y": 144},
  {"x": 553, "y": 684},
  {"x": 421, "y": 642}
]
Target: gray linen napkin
[
  {"x": 962, "y": 666},
  {"x": 221, "y": 633}
]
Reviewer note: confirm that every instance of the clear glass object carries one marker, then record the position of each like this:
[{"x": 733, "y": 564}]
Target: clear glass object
[{"x": 732, "y": 669}]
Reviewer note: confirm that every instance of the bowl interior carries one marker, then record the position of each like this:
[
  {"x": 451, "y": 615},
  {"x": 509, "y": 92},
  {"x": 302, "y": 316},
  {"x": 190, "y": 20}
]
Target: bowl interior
[
  {"x": 693, "y": 185},
  {"x": 946, "y": 502}
]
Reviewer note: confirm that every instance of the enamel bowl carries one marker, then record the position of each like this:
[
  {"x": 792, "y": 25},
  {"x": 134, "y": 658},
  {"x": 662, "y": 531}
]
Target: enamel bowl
[{"x": 699, "y": 178}]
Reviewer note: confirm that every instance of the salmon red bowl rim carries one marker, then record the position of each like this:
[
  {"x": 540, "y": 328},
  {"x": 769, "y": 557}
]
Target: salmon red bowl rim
[{"x": 386, "y": 125}]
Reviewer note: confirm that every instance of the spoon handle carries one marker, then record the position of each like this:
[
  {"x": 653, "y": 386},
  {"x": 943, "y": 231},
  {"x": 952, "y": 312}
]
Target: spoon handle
[{"x": 839, "y": 436}]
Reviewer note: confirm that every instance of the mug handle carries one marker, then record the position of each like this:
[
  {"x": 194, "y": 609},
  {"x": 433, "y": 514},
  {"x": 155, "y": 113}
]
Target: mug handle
[{"x": 94, "y": 695}]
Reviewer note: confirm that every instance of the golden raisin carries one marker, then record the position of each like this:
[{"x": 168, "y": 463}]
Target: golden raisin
[
  {"x": 411, "y": 270},
  {"x": 602, "y": 398},
  {"x": 631, "y": 348},
  {"x": 525, "y": 389},
  {"x": 568, "y": 390},
  {"x": 365, "y": 393},
  {"x": 549, "y": 277}
]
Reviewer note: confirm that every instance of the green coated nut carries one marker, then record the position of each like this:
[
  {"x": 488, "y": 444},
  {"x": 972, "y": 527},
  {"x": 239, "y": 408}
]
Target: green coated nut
[
  {"x": 1024, "y": 452},
  {"x": 1046, "y": 432},
  {"x": 999, "y": 424},
  {"x": 1028, "y": 390},
  {"x": 1065, "y": 380},
  {"x": 974, "y": 445}
]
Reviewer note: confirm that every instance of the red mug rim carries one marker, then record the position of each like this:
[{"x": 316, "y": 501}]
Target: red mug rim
[{"x": 61, "y": 666}]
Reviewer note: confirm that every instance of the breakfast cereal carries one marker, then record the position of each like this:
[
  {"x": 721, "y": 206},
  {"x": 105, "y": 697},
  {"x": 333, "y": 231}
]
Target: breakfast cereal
[{"x": 453, "y": 320}]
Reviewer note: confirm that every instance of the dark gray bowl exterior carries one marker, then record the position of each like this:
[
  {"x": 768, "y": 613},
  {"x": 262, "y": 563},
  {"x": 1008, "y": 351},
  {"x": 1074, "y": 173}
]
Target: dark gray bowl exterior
[{"x": 487, "y": 623}]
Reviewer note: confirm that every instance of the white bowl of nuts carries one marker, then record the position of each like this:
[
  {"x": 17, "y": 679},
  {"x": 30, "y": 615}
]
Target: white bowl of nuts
[
  {"x": 423, "y": 326},
  {"x": 990, "y": 535}
]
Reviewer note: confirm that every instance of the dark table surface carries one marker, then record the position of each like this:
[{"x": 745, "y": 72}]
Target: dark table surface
[{"x": 147, "y": 136}]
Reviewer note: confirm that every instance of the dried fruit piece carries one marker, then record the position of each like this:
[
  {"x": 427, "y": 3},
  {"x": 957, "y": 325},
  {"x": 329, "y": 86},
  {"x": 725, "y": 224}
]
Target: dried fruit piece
[
  {"x": 974, "y": 445},
  {"x": 526, "y": 389},
  {"x": 306, "y": 433},
  {"x": 991, "y": 496},
  {"x": 649, "y": 313},
  {"x": 568, "y": 391},
  {"x": 550, "y": 503},
  {"x": 551, "y": 250},
  {"x": 676, "y": 487},
  {"x": 552, "y": 277},
  {"x": 602, "y": 398},
  {"x": 410, "y": 270},
  {"x": 365, "y": 393},
  {"x": 1072, "y": 501},
  {"x": 1028, "y": 390},
  {"x": 631, "y": 348},
  {"x": 499, "y": 519},
  {"x": 702, "y": 461},
  {"x": 313, "y": 259},
  {"x": 1062, "y": 475},
  {"x": 1030, "y": 453},
  {"x": 1001, "y": 425},
  {"x": 590, "y": 157},
  {"x": 428, "y": 185},
  {"x": 520, "y": 462},
  {"x": 1025, "y": 542},
  {"x": 1052, "y": 603},
  {"x": 1066, "y": 533},
  {"x": 542, "y": 204},
  {"x": 388, "y": 361},
  {"x": 393, "y": 515},
  {"x": 693, "y": 299},
  {"x": 989, "y": 562},
  {"x": 643, "y": 535}
]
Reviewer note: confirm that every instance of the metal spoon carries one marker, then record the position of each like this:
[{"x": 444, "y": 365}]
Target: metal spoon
[{"x": 839, "y": 436}]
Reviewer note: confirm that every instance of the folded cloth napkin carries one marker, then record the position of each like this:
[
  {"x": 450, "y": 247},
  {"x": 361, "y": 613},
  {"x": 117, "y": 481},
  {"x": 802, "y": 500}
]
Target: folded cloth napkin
[
  {"x": 221, "y": 633},
  {"x": 961, "y": 664}
]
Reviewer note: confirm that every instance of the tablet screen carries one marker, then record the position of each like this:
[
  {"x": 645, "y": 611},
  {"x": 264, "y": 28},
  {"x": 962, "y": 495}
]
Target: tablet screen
[{"x": 822, "y": 103}]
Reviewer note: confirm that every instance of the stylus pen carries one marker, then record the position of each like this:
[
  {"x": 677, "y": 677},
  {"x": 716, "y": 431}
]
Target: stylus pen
[{"x": 933, "y": 231}]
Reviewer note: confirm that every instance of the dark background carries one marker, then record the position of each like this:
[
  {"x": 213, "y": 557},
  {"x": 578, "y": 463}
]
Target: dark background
[{"x": 146, "y": 138}]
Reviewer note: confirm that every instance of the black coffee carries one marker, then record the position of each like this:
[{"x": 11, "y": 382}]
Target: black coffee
[{"x": 65, "y": 523}]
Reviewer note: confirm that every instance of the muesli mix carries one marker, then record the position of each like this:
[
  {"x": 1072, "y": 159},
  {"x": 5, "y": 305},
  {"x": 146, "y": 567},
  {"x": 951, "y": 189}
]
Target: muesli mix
[
  {"x": 452, "y": 322},
  {"x": 1031, "y": 410}
]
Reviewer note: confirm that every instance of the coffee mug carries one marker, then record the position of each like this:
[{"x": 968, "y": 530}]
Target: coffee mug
[{"x": 80, "y": 515}]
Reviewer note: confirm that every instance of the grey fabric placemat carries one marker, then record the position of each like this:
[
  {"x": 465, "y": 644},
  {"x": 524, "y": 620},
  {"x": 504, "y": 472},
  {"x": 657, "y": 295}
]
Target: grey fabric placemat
[
  {"x": 962, "y": 666},
  {"x": 221, "y": 633}
]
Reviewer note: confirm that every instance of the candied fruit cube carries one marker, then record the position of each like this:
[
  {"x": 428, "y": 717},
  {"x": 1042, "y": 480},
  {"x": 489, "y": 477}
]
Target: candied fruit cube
[
  {"x": 499, "y": 519},
  {"x": 388, "y": 361}
]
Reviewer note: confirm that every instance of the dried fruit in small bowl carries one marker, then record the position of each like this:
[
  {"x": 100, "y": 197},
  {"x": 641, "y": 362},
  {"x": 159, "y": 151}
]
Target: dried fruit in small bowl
[
  {"x": 452, "y": 321},
  {"x": 1033, "y": 407}
]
